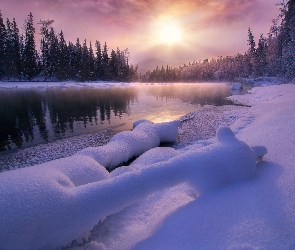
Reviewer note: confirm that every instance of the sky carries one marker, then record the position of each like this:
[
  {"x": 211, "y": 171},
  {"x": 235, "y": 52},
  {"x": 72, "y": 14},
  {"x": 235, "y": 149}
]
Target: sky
[{"x": 177, "y": 31}]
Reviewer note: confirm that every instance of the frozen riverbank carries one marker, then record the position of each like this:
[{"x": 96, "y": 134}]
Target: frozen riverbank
[
  {"x": 199, "y": 125},
  {"x": 258, "y": 214}
]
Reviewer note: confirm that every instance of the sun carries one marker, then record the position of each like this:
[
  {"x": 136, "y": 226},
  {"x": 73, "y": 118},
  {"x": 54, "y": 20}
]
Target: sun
[{"x": 169, "y": 33}]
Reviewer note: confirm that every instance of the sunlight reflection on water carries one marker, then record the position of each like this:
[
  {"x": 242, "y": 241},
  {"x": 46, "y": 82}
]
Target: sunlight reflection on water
[{"x": 33, "y": 116}]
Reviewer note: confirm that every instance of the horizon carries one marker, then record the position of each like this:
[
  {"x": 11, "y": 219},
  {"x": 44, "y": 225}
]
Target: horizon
[{"x": 175, "y": 32}]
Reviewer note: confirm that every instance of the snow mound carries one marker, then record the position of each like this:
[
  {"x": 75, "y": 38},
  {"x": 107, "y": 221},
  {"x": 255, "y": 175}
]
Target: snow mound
[
  {"x": 125, "y": 145},
  {"x": 49, "y": 205},
  {"x": 153, "y": 156}
]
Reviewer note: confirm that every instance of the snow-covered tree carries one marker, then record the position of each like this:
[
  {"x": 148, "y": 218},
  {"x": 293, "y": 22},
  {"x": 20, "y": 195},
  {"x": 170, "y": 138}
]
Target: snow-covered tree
[{"x": 288, "y": 40}]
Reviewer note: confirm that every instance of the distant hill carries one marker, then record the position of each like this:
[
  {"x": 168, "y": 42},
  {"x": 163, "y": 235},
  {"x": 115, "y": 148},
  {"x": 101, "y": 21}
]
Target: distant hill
[{"x": 150, "y": 64}]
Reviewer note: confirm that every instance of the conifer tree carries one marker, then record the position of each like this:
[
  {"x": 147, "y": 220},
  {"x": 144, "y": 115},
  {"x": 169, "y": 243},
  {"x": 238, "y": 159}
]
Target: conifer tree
[
  {"x": 29, "y": 54},
  {"x": 53, "y": 58},
  {"x": 44, "y": 47},
  {"x": 91, "y": 63},
  {"x": 113, "y": 66},
  {"x": 2, "y": 46},
  {"x": 16, "y": 44},
  {"x": 85, "y": 71},
  {"x": 105, "y": 63},
  {"x": 12, "y": 49},
  {"x": 78, "y": 60},
  {"x": 71, "y": 61},
  {"x": 62, "y": 58},
  {"x": 8, "y": 51},
  {"x": 98, "y": 61},
  {"x": 251, "y": 51},
  {"x": 261, "y": 52},
  {"x": 288, "y": 40}
]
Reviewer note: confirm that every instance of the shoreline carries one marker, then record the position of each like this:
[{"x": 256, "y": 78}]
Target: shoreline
[{"x": 197, "y": 125}]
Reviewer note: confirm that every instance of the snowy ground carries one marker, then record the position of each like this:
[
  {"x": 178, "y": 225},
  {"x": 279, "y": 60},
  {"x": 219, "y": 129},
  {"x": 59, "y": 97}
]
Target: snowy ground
[
  {"x": 255, "y": 214},
  {"x": 54, "y": 150},
  {"x": 242, "y": 213}
]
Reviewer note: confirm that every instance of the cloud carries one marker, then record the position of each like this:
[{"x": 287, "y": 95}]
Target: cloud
[
  {"x": 133, "y": 23},
  {"x": 134, "y": 13}
]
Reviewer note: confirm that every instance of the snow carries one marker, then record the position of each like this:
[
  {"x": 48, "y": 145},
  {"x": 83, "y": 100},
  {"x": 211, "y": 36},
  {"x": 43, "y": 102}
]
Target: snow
[
  {"x": 53, "y": 150},
  {"x": 236, "y": 86},
  {"x": 212, "y": 194},
  {"x": 127, "y": 144}
]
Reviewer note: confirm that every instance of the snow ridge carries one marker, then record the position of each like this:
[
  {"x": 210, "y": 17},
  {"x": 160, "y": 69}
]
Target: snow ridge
[{"x": 48, "y": 205}]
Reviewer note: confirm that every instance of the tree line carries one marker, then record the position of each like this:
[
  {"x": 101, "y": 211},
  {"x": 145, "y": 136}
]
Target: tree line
[
  {"x": 57, "y": 60},
  {"x": 272, "y": 56}
]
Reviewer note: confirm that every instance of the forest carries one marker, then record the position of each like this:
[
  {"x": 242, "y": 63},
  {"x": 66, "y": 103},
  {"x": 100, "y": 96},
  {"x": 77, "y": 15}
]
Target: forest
[
  {"x": 272, "y": 56},
  {"x": 57, "y": 60}
]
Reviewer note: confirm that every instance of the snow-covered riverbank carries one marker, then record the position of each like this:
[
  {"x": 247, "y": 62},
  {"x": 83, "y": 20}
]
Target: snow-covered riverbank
[
  {"x": 258, "y": 213},
  {"x": 199, "y": 125},
  {"x": 255, "y": 214}
]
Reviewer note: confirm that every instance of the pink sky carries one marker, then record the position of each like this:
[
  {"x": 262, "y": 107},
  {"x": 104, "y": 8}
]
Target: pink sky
[{"x": 209, "y": 28}]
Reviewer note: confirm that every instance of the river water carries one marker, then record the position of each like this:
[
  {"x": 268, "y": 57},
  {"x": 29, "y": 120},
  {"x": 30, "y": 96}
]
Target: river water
[{"x": 34, "y": 116}]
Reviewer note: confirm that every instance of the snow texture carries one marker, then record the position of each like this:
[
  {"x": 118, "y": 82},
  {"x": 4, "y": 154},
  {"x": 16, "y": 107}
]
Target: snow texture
[
  {"x": 259, "y": 213},
  {"x": 53, "y": 150},
  {"x": 127, "y": 144},
  {"x": 48, "y": 205},
  {"x": 142, "y": 206},
  {"x": 236, "y": 86}
]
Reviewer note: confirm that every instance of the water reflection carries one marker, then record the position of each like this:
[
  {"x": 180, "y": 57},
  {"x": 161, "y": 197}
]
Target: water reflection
[
  {"x": 23, "y": 110},
  {"x": 33, "y": 116},
  {"x": 86, "y": 104},
  {"x": 196, "y": 94}
]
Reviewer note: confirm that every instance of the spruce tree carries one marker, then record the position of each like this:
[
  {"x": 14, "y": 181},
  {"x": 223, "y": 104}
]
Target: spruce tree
[
  {"x": 71, "y": 61},
  {"x": 16, "y": 51},
  {"x": 53, "y": 59},
  {"x": 2, "y": 46},
  {"x": 8, "y": 59},
  {"x": 261, "y": 52},
  {"x": 85, "y": 71},
  {"x": 62, "y": 58},
  {"x": 44, "y": 47},
  {"x": 288, "y": 40},
  {"x": 91, "y": 63},
  {"x": 12, "y": 51},
  {"x": 105, "y": 63},
  {"x": 251, "y": 52},
  {"x": 98, "y": 61},
  {"x": 29, "y": 54},
  {"x": 78, "y": 60},
  {"x": 113, "y": 66}
]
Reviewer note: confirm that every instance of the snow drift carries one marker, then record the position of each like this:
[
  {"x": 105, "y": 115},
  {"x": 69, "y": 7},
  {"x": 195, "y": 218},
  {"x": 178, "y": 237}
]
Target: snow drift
[
  {"x": 49, "y": 205},
  {"x": 125, "y": 145}
]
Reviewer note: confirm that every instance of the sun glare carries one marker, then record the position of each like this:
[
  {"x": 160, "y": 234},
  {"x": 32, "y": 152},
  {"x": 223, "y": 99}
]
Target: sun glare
[{"x": 169, "y": 33}]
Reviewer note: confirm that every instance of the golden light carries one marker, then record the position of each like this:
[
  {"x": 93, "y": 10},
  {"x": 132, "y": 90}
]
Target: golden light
[{"x": 168, "y": 32}]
